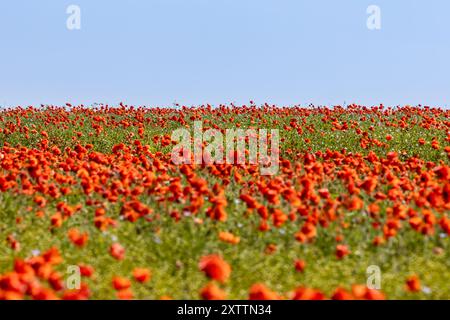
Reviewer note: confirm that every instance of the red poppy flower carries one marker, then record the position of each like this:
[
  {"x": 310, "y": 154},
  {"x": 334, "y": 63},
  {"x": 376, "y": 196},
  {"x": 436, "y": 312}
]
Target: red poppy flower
[
  {"x": 342, "y": 251},
  {"x": 117, "y": 251},
  {"x": 212, "y": 292},
  {"x": 215, "y": 267},
  {"x": 142, "y": 275},
  {"x": 259, "y": 291},
  {"x": 413, "y": 283}
]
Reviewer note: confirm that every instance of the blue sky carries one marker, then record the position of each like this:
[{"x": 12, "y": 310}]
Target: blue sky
[{"x": 156, "y": 52}]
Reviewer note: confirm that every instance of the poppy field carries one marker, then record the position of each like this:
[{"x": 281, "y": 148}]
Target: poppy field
[{"x": 93, "y": 207}]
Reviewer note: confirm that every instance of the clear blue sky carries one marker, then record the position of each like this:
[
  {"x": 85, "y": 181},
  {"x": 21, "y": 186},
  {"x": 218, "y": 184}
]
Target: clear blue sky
[{"x": 155, "y": 52}]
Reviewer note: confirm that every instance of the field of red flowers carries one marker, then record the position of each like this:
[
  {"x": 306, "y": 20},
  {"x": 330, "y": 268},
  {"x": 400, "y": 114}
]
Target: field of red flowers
[{"x": 92, "y": 207}]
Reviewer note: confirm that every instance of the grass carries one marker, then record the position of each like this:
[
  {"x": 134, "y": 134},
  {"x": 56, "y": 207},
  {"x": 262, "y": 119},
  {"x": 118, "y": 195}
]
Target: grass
[{"x": 172, "y": 250}]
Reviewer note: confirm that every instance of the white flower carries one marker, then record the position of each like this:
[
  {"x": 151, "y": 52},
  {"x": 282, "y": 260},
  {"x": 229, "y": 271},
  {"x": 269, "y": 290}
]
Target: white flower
[{"x": 426, "y": 290}]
